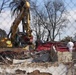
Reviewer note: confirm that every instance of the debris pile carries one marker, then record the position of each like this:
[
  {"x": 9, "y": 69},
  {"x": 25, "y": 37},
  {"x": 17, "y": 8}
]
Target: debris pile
[
  {"x": 34, "y": 68},
  {"x": 37, "y": 72},
  {"x": 39, "y": 62}
]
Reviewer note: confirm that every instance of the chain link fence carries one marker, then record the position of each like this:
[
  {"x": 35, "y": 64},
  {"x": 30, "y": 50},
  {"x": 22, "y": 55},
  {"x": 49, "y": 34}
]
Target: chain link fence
[
  {"x": 6, "y": 21},
  {"x": 71, "y": 9}
]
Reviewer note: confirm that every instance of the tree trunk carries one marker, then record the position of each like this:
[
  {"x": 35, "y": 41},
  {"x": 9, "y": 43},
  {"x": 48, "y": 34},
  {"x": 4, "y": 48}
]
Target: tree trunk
[
  {"x": 54, "y": 27},
  {"x": 48, "y": 37}
]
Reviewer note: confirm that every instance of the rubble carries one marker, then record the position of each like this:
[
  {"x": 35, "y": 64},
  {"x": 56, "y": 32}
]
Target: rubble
[
  {"x": 31, "y": 62},
  {"x": 47, "y": 68},
  {"x": 18, "y": 71},
  {"x": 37, "y": 72},
  {"x": 64, "y": 57},
  {"x": 43, "y": 56}
]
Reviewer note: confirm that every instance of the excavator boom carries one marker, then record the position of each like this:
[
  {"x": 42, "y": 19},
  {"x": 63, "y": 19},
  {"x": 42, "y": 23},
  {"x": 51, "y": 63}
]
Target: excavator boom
[
  {"x": 16, "y": 23},
  {"x": 24, "y": 13}
]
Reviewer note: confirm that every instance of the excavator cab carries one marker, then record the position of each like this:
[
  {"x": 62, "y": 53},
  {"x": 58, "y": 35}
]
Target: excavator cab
[{"x": 21, "y": 40}]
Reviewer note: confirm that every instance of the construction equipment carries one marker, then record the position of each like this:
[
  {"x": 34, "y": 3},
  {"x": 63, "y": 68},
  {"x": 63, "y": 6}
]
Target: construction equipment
[{"x": 14, "y": 28}]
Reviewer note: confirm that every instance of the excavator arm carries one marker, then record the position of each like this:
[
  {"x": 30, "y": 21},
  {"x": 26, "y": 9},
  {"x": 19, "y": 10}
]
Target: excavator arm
[
  {"x": 16, "y": 22},
  {"x": 24, "y": 13}
]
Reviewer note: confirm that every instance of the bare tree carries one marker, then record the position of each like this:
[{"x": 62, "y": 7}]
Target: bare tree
[
  {"x": 50, "y": 17},
  {"x": 36, "y": 19},
  {"x": 4, "y": 4}
]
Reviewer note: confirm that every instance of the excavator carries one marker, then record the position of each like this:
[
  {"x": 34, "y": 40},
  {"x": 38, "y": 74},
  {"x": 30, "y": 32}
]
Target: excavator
[{"x": 14, "y": 34}]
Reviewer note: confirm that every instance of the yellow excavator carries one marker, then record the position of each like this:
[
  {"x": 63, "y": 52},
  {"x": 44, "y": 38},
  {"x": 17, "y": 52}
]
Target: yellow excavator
[{"x": 14, "y": 28}]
